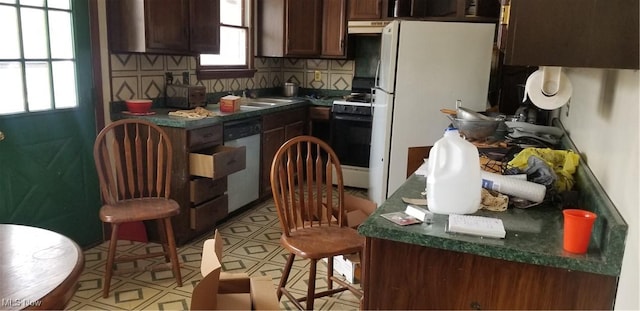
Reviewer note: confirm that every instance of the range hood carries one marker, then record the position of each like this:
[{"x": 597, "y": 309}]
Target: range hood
[{"x": 366, "y": 27}]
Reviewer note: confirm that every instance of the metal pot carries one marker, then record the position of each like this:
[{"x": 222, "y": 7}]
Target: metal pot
[
  {"x": 290, "y": 89},
  {"x": 476, "y": 129}
]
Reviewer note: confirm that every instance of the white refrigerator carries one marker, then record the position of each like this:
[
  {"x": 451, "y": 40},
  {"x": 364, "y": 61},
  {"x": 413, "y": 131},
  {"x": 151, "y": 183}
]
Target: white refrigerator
[{"x": 424, "y": 67}]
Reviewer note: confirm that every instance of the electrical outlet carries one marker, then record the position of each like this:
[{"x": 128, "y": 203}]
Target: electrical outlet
[{"x": 317, "y": 76}]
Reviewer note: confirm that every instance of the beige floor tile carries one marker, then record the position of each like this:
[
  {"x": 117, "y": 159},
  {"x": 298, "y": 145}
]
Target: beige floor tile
[{"x": 251, "y": 245}]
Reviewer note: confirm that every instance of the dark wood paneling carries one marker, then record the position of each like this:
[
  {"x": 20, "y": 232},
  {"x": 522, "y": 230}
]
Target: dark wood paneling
[
  {"x": 415, "y": 158},
  {"x": 575, "y": 33},
  {"x": 365, "y": 9},
  {"x": 429, "y": 278}
]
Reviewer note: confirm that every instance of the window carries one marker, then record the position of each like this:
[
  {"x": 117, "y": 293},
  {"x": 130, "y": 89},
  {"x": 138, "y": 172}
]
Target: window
[
  {"x": 37, "y": 61},
  {"x": 235, "y": 58}
]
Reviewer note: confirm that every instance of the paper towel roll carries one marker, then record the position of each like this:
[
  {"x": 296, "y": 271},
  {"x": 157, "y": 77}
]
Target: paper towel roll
[
  {"x": 513, "y": 186},
  {"x": 554, "y": 82}
]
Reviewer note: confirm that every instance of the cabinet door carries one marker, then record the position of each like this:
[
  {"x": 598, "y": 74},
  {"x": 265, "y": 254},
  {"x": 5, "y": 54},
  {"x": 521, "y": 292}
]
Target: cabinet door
[
  {"x": 432, "y": 278},
  {"x": 334, "y": 27},
  {"x": 294, "y": 129},
  {"x": 365, "y": 9},
  {"x": 166, "y": 25},
  {"x": 575, "y": 33},
  {"x": 271, "y": 142},
  {"x": 204, "y": 26},
  {"x": 303, "y": 27}
]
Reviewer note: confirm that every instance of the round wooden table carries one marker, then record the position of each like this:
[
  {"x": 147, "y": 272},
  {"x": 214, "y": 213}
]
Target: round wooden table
[{"x": 39, "y": 269}]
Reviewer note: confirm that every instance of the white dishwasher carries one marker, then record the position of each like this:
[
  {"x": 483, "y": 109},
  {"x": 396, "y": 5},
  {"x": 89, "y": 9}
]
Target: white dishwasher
[{"x": 243, "y": 187}]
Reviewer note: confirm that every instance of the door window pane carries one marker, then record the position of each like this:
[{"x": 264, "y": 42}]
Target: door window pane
[
  {"x": 59, "y": 4},
  {"x": 9, "y": 34},
  {"x": 34, "y": 35},
  {"x": 39, "y": 3},
  {"x": 60, "y": 29},
  {"x": 38, "y": 86},
  {"x": 42, "y": 72},
  {"x": 64, "y": 84},
  {"x": 11, "y": 88}
]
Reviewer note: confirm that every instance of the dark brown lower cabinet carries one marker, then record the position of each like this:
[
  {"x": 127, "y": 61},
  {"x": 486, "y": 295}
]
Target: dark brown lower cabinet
[
  {"x": 277, "y": 128},
  {"x": 203, "y": 200},
  {"x": 402, "y": 276}
]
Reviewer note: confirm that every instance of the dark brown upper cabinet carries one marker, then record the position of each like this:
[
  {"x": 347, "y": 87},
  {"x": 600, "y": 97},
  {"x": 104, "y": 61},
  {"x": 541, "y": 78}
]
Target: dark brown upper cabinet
[
  {"x": 571, "y": 33},
  {"x": 366, "y": 10},
  {"x": 187, "y": 27},
  {"x": 301, "y": 28},
  {"x": 289, "y": 28},
  {"x": 334, "y": 28}
]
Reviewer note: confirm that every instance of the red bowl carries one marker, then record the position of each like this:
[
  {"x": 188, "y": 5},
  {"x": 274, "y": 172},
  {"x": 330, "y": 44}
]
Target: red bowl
[{"x": 138, "y": 105}]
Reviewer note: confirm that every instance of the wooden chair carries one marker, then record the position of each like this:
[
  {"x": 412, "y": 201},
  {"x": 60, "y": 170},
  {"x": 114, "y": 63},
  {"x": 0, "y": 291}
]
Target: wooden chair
[
  {"x": 311, "y": 212},
  {"x": 133, "y": 159}
]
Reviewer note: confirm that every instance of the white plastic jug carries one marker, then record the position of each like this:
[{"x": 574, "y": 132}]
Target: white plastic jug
[{"x": 454, "y": 181}]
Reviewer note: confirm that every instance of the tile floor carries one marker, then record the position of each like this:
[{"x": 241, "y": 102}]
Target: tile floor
[{"x": 251, "y": 245}]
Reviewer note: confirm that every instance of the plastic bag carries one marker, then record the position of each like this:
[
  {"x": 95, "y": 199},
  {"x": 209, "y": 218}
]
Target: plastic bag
[{"x": 563, "y": 163}]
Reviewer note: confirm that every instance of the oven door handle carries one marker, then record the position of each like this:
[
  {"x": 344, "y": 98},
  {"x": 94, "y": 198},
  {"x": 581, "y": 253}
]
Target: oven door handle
[{"x": 351, "y": 117}]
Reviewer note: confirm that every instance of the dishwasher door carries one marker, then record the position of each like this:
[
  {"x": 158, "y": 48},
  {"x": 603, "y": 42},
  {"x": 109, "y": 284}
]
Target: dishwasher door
[{"x": 244, "y": 186}]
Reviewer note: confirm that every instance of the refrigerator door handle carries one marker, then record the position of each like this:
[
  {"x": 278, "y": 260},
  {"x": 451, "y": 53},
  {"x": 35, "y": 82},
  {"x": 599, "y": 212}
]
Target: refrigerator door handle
[
  {"x": 376, "y": 81},
  {"x": 373, "y": 97}
]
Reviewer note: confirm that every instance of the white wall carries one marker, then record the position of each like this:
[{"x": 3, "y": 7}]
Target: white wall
[{"x": 602, "y": 120}]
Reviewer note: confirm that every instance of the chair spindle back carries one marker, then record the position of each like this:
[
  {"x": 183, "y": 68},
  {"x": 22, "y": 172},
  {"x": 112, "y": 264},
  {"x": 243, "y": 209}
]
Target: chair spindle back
[
  {"x": 302, "y": 176},
  {"x": 133, "y": 158}
]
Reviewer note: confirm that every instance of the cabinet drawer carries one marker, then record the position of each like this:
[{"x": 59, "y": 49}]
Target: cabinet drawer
[
  {"x": 217, "y": 161},
  {"x": 203, "y": 189},
  {"x": 205, "y": 136},
  {"x": 319, "y": 113},
  {"x": 205, "y": 216},
  {"x": 278, "y": 119}
]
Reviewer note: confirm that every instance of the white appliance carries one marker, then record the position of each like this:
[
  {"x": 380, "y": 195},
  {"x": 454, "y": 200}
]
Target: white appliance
[
  {"x": 244, "y": 186},
  {"x": 424, "y": 67}
]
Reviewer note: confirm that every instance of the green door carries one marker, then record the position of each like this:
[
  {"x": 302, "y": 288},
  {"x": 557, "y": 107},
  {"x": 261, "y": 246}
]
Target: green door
[{"x": 47, "y": 120}]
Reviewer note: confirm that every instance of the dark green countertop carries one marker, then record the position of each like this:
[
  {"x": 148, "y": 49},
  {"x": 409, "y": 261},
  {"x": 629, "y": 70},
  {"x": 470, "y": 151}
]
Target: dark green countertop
[
  {"x": 162, "y": 117},
  {"x": 534, "y": 235}
]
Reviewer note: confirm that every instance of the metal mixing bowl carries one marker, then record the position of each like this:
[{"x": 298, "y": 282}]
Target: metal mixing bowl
[{"x": 476, "y": 129}]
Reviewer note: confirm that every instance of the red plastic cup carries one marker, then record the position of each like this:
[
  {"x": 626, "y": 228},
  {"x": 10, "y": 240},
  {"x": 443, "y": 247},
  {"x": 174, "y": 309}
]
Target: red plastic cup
[{"x": 577, "y": 230}]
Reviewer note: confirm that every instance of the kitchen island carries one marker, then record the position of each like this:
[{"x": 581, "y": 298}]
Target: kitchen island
[{"x": 423, "y": 267}]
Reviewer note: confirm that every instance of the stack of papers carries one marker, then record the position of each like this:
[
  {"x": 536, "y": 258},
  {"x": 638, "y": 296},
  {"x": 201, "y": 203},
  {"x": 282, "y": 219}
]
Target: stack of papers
[{"x": 476, "y": 225}]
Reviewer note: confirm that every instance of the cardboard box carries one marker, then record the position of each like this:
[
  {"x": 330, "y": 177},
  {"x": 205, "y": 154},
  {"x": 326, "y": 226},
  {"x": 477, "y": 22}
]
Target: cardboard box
[
  {"x": 349, "y": 267},
  {"x": 230, "y": 291},
  {"x": 358, "y": 209},
  {"x": 230, "y": 103}
]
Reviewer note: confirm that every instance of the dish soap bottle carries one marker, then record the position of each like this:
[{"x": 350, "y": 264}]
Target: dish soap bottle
[{"x": 454, "y": 181}]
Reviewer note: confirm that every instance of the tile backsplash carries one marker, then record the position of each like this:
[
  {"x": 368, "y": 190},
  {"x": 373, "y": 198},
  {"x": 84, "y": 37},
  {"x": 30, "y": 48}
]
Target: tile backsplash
[{"x": 143, "y": 75}]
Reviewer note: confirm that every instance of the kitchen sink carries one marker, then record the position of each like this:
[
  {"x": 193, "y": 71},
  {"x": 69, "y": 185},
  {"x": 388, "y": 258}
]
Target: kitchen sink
[
  {"x": 260, "y": 104},
  {"x": 265, "y": 102},
  {"x": 273, "y": 100}
]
